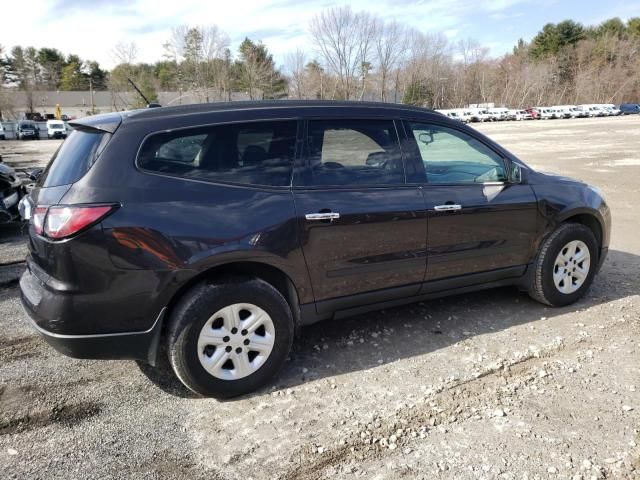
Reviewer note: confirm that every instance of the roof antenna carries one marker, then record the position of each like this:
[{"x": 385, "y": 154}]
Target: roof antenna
[{"x": 149, "y": 104}]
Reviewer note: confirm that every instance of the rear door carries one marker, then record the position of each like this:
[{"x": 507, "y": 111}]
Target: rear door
[
  {"x": 478, "y": 220},
  {"x": 363, "y": 228}
]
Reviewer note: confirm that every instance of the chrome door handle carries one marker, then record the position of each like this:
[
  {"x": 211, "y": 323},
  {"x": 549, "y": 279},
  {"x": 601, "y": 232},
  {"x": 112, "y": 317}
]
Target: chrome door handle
[
  {"x": 447, "y": 208},
  {"x": 322, "y": 216}
]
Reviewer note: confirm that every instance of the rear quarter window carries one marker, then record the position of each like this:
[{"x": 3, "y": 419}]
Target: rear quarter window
[
  {"x": 255, "y": 153},
  {"x": 74, "y": 158}
]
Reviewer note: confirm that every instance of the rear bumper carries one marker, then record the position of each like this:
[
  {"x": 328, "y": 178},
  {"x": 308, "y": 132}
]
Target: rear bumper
[{"x": 139, "y": 345}]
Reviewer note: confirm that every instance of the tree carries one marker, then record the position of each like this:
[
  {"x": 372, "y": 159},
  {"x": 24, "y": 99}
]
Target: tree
[
  {"x": 343, "y": 40},
  {"x": 553, "y": 37},
  {"x": 295, "y": 65},
  {"x": 391, "y": 45},
  {"x": 202, "y": 61},
  {"x": 633, "y": 27},
  {"x": 256, "y": 70},
  {"x": 316, "y": 79},
  {"x": 73, "y": 78},
  {"x": 418, "y": 93},
  {"x": 51, "y": 62},
  {"x": 614, "y": 27}
]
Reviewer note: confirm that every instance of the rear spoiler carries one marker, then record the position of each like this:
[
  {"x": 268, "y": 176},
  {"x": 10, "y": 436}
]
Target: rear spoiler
[{"x": 108, "y": 122}]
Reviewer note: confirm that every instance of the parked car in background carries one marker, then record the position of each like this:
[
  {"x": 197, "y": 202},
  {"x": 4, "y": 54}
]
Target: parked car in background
[
  {"x": 216, "y": 231},
  {"x": 480, "y": 115},
  {"x": 465, "y": 115},
  {"x": 519, "y": 115},
  {"x": 56, "y": 129},
  {"x": 545, "y": 113},
  {"x": 535, "y": 114},
  {"x": 562, "y": 111},
  {"x": 27, "y": 129},
  {"x": 577, "y": 113},
  {"x": 612, "y": 109},
  {"x": 2, "y": 135},
  {"x": 629, "y": 108},
  {"x": 499, "y": 113},
  {"x": 594, "y": 110},
  {"x": 453, "y": 114},
  {"x": 11, "y": 191}
]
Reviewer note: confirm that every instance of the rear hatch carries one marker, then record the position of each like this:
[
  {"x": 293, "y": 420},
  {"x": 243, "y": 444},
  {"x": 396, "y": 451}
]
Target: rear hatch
[{"x": 50, "y": 223}]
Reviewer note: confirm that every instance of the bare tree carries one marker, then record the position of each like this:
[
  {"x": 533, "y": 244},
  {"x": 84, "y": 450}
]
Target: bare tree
[
  {"x": 391, "y": 45},
  {"x": 125, "y": 53},
  {"x": 295, "y": 66},
  {"x": 343, "y": 40}
]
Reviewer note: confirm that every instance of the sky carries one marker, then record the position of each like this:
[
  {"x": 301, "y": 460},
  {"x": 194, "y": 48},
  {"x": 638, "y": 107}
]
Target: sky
[{"x": 91, "y": 28}]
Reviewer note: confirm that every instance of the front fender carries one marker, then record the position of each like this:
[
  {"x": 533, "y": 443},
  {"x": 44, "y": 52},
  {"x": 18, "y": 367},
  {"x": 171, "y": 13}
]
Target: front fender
[{"x": 559, "y": 202}]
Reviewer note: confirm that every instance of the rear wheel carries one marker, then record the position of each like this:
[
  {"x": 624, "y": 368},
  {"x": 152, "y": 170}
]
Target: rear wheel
[
  {"x": 565, "y": 266},
  {"x": 228, "y": 339}
]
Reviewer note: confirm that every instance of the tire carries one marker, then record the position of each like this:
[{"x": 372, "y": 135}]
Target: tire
[
  {"x": 188, "y": 351},
  {"x": 550, "y": 267}
]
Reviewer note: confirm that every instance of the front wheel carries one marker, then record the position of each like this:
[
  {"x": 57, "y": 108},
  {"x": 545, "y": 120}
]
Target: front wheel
[
  {"x": 228, "y": 339},
  {"x": 565, "y": 266}
]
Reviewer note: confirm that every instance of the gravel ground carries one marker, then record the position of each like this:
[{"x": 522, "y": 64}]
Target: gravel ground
[{"x": 485, "y": 385}]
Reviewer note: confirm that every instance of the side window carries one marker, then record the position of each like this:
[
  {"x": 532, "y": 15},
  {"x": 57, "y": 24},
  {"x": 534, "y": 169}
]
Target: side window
[
  {"x": 451, "y": 156},
  {"x": 256, "y": 153},
  {"x": 352, "y": 152}
]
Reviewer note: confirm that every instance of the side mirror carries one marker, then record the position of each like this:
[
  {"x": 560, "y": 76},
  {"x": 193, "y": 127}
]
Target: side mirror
[
  {"x": 35, "y": 174},
  {"x": 426, "y": 137},
  {"x": 515, "y": 173}
]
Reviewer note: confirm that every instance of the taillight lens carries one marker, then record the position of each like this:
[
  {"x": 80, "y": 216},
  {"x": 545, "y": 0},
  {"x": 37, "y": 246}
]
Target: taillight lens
[
  {"x": 59, "y": 222},
  {"x": 37, "y": 219}
]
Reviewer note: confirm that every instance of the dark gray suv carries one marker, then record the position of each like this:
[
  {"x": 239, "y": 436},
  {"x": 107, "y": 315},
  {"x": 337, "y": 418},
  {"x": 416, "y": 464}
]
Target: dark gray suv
[{"x": 204, "y": 236}]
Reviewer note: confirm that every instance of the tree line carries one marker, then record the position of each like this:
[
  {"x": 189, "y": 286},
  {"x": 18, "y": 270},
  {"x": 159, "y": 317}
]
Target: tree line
[{"x": 359, "y": 56}]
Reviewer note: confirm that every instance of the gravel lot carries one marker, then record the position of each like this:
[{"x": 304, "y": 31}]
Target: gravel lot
[{"x": 486, "y": 385}]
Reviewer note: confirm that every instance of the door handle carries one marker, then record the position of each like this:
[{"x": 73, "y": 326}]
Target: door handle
[
  {"x": 447, "y": 208},
  {"x": 322, "y": 216}
]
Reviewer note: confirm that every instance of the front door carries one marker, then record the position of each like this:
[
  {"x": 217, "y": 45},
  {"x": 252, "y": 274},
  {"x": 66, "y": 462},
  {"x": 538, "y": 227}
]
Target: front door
[
  {"x": 478, "y": 220},
  {"x": 363, "y": 229}
]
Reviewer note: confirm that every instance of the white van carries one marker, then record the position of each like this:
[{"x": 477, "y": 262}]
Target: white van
[
  {"x": 563, "y": 111},
  {"x": 594, "y": 110},
  {"x": 612, "y": 109},
  {"x": 2, "y": 135},
  {"x": 545, "y": 113},
  {"x": 56, "y": 129},
  {"x": 499, "y": 113}
]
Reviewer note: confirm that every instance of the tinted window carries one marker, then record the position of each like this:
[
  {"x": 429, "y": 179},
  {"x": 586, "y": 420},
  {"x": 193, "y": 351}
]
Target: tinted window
[
  {"x": 259, "y": 153},
  {"x": 353, "y": 152},
  {"x": 451, "y": 156},
  {"x": 74, "y": 158}
]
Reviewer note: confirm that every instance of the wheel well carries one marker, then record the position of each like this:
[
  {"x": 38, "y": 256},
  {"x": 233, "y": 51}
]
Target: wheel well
[
  {"x": 590, "y": 222},
  {"x": 272, "y": 275}
]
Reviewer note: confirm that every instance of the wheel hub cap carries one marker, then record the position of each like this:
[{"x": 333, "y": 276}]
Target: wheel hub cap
[
  {"x": 236, "y": 341},
  {"x": 571, "y": 267}
]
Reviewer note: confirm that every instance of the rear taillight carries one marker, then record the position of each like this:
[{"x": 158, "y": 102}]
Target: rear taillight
[
  {"x": 60, "y": 221},
  {"x": 37, "y": 219}
]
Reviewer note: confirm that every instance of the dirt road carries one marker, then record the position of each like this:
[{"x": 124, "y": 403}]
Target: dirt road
[{"x": 486, "y": 385}]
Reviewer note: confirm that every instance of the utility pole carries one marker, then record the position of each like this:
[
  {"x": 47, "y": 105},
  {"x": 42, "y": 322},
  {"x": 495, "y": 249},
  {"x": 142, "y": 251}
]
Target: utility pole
[{"x": 93, "y": 106}]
